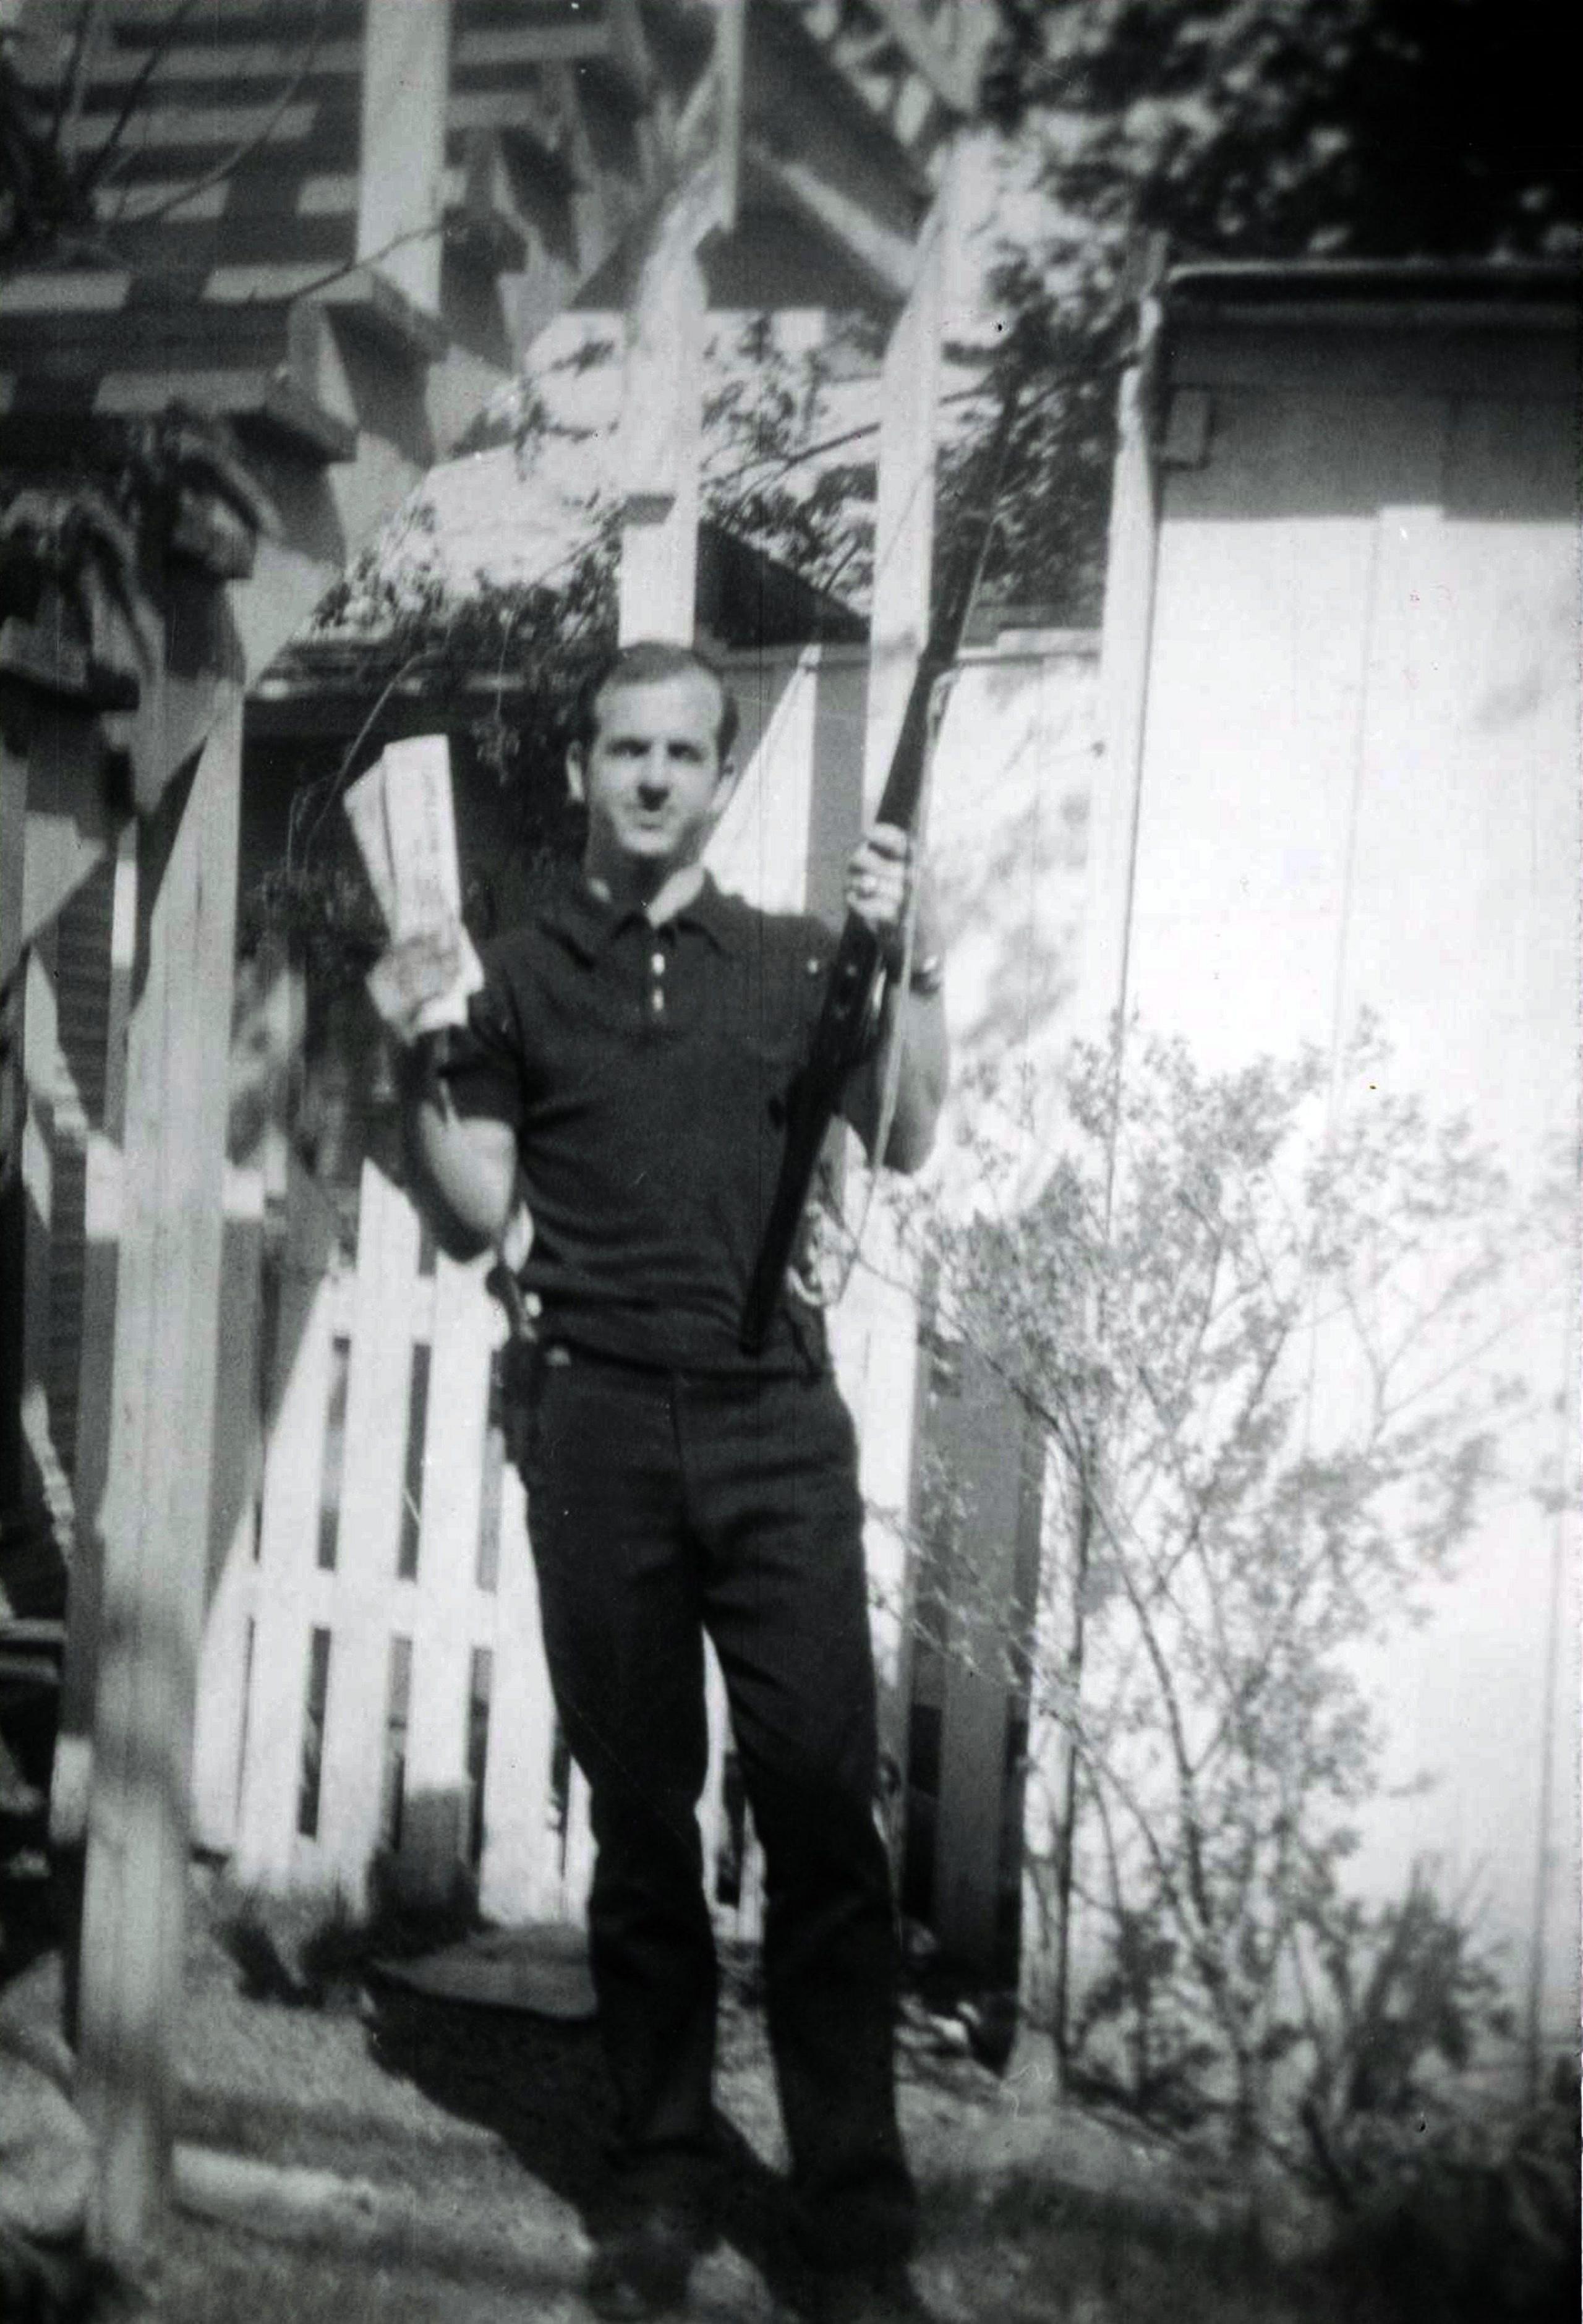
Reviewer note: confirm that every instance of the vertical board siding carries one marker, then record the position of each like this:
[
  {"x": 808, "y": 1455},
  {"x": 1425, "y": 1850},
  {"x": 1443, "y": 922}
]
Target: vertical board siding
[{"x": 1372, "y": 803}]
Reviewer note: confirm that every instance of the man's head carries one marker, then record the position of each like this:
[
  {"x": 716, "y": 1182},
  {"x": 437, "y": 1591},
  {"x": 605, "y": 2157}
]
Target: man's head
[
  {"x": 650, "y": 759},
  {"x": 646, "y": 663}
]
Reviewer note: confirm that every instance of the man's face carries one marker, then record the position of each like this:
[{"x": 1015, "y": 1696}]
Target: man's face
[{"x": 652, "y": 778}]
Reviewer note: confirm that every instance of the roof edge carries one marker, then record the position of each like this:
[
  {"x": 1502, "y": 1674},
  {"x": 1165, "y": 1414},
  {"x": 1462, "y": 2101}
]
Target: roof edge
[{"x": 1314, "y": 284}]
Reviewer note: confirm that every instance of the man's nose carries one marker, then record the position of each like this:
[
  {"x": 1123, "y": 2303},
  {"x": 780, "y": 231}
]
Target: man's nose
[{"x": 654, "y": 773}]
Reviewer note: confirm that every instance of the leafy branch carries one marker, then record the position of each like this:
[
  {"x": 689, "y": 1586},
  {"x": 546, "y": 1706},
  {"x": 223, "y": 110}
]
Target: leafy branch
[
  {"x": 1259, "y": 1344},
  {"x": 49, "y": 191}
]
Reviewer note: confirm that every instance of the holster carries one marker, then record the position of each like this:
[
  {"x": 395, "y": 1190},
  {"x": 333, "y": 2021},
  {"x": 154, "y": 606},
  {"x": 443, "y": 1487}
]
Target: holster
[{"x": 519, "y": 1361}]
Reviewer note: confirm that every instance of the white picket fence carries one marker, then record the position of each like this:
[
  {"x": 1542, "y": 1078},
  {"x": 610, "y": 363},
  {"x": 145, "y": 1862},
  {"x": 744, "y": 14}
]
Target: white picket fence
[{"x": 374, "y": 1684}]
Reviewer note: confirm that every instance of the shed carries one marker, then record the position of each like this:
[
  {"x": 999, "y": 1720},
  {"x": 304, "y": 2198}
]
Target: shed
[{"x": 1340, "y": 702}]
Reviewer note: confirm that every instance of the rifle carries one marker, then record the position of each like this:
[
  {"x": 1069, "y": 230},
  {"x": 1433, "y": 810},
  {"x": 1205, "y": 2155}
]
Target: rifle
[{"x": 855, "y": 990}]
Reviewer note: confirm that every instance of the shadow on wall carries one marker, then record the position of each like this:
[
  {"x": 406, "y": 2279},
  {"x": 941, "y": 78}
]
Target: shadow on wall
[
  {"x": 1015, "y": 782},
  {"x": 1029, "y": 968}
]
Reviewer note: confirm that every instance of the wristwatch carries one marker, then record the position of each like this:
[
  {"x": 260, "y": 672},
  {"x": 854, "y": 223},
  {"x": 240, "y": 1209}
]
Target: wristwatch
[{"x": 928, "y": 975}]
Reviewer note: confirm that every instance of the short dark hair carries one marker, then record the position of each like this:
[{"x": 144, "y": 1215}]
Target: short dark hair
[{"x": 649, "y": 662}]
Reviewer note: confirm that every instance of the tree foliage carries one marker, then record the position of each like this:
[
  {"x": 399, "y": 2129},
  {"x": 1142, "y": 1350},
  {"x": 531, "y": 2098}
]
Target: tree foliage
[
  {"x": 1133, "y": 130},
  {"x": 1285, "y": 128},
  {"x": 1262, "y": 1339},
  {"x": 1245, "y": 129},
  {"x": 782, "y": 466}
]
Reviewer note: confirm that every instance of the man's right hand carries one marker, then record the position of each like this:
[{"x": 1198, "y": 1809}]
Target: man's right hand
[{"x": 411, "y": 976}]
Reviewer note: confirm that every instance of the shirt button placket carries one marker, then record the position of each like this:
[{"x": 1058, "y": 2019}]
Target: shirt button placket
[{"x": 657, "y": 990}]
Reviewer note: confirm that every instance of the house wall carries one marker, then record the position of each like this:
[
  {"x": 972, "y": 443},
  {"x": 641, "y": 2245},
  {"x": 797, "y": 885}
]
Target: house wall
[{"x": 1358, "y": 788}]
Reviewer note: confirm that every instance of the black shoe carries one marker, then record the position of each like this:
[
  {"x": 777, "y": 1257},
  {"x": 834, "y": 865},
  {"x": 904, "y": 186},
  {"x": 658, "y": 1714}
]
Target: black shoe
[{"x": 642, "y": 2269}]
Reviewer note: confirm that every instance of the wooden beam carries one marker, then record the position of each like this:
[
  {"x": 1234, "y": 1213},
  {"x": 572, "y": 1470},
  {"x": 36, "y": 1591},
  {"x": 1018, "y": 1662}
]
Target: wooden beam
[
  {"x": 12, "y": 823},
  {"x": 500, "y": 48},
  {"x": 49, "y": 1489},
  {"x": 370, "y": 302},
  {"x": 730, "y": 34},
  {"x": 70, "y": 823},
  {"x": 400, "y": 193},
  {"x": 95, "y": 1399},
  {"x": 177, "y": 130},
  {"x": 230, "y": 64},
  {"x": 153, "y": 1520},
  {"x": 904, "y": 526},
  {"x": 662, "y": 410},
  {"x": 13, "y": 1213},
  {"x": 953, "y": 81},
  {"x": 882, "y": 258},
  {"x": 627, "y": 49}
]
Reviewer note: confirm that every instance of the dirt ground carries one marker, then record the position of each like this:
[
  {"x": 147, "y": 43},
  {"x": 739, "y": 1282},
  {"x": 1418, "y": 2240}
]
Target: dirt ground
[
  {"x": 425, "y": 2160},
  {"x": 481, "y": 2134}
]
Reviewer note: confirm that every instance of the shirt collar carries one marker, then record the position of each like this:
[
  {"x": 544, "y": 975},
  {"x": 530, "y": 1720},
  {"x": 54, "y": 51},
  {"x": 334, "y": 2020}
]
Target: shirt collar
[
  {"x": 719, "y": 915},
  {"x": 588, "y": 923}
]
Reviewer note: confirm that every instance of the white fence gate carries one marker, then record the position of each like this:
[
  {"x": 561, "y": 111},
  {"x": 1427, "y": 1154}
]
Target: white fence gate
[{"x": 374, "y": 1687}]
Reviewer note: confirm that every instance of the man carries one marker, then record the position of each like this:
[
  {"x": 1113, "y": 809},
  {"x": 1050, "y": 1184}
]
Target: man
[{"x": 626, "y": 1067}]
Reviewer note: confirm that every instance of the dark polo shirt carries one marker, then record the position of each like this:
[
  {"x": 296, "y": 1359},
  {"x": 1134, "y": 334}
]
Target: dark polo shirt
[{"x": 645, "y": 1071}]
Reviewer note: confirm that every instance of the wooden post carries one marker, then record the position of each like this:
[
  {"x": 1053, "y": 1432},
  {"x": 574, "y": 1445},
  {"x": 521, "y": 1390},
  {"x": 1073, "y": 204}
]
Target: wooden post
[
  {"x": 731, "y": 34},
  {"x": 50, "y": 1486},
  {"x": 904, "y": 517},
  {"x": 13, "y": 832},
  {"x": 154, "y": 1517},
  {"x": 662, "y": 413},
  {"x": 400, "y": 187},
  {"x": 50, "y": 822},
  {"x": 12, "y": 826},
  {"x": 662, "y": 388}
]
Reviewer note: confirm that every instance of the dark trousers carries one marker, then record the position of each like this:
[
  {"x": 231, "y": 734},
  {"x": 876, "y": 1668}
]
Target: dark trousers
[{"x": 662, "y": 1507}]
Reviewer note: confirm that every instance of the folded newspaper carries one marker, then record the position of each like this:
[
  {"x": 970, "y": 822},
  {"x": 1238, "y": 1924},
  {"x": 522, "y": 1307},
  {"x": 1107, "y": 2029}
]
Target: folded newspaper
[{"x": 401, "y": 812}]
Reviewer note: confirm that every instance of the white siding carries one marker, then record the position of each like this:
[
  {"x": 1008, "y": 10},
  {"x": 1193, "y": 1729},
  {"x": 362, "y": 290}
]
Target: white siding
[{"x": 1359, "y": 787}]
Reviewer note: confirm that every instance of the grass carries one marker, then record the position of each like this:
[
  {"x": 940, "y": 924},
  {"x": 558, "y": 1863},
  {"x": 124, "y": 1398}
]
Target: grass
[
  {"x": 1028, "y": 2260},
  {"x": 491, "y": 2126},
  {"x": 1089, "y": 2229},
  {"x": 214, "y": 2275}
]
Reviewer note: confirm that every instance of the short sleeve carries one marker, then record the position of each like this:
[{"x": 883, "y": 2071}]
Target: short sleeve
[{"x": 484, "y": 1066}]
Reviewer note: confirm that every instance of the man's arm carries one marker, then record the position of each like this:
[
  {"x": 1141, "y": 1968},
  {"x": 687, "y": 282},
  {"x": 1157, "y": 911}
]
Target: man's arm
[
  {"x": 462, "y": 1171},
  {"x": 878, "y": 887}
]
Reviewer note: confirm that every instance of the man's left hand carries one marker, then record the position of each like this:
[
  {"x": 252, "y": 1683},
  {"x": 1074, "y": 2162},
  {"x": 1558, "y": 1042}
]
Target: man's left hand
[{"x": 879, "y": 879}]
